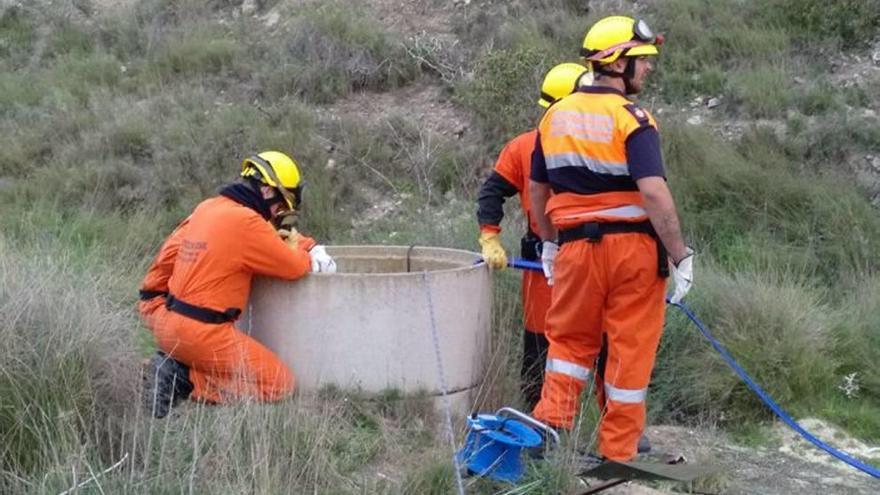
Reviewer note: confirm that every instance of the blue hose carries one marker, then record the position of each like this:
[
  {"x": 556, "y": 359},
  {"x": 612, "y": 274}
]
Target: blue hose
[
  {"x": 522, "y": 264},
  {"x": 771, "y": 403},
  {"x": 768, "y": 401}
]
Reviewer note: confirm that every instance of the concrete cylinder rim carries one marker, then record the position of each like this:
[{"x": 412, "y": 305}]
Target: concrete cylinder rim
[{"x": 476, "y": 260}]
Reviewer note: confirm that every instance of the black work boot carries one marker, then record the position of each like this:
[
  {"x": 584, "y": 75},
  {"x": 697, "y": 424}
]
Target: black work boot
[
  {"x": 644, "y": 444},
  {"x": 166, "y": 381}
]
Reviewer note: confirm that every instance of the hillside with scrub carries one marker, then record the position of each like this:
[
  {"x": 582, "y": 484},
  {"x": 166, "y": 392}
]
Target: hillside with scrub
[{"x": 118, "y": 117}]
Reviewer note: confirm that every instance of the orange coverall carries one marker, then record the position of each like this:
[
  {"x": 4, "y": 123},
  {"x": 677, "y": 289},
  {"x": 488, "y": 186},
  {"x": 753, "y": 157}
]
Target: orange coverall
[
  {"x": 514, "y": 164},
  {"x": 209, "y": 261},
  {"x": 611, "y": 285}
]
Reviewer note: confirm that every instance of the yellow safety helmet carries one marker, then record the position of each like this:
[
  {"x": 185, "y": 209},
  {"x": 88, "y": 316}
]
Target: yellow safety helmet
[
  {"x": 277, "y": 170},
  {"x": 561, "y": 81},
  {"x": 619, "y": 36}
]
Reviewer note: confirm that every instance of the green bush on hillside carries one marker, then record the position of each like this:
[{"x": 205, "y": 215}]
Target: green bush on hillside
[
  {"x": 839, "y": 24},
  {"x": 332, "y": 49},
  {"x": 750, "y": 211},
  {"x": 774, "y": 325}
]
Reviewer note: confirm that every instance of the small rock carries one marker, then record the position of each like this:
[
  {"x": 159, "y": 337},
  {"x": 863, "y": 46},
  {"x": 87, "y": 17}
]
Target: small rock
[
  {"x": 799, "y": 80},
  {"x": 123, "y": 69},
  {"x": 459, "y": 131},
  {"x": 329, "y": 148},
  {"x": 696, "y": 102},
  {"x": 695, "y": 120},
  {"x": 248, "y": 7},
  {"x": 876, "y": 57},
  {"x": 713, "y": 102},
  {"x": 869, "y": 113},
  {"x": 271, "y": 18},
  {"x": 331, "y": 164}
]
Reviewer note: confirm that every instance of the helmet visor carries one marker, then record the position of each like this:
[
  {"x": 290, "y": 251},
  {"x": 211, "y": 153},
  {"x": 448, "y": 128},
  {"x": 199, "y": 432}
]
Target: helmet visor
[{"x": 642, "y": 32}]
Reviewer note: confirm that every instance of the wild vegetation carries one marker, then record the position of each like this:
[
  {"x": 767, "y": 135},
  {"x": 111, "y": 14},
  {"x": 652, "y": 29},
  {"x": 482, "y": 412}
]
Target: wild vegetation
[{"x": 115, "y": 122}]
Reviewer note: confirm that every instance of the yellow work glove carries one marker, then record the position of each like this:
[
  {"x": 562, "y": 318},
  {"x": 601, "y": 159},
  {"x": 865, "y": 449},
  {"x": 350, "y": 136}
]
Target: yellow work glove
[{"x": 493, "y": 251}]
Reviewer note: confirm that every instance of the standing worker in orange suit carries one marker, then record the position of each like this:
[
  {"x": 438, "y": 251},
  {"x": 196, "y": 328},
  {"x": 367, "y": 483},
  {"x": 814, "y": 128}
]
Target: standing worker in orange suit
[
  {"x": 199, "y": 282},
  {"x": 610, "y": 236},
  {"x": 509, "y": 177}
]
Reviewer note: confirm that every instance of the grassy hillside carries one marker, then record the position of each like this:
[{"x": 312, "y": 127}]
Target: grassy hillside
[{"x": 115, "y": 122}]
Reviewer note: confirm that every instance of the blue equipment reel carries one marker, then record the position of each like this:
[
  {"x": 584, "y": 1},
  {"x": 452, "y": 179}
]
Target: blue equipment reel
[{"x": 495, "y": 442}]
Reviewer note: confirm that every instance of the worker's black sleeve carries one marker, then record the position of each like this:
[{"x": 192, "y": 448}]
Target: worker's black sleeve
[{"x": 490, "y": 202}]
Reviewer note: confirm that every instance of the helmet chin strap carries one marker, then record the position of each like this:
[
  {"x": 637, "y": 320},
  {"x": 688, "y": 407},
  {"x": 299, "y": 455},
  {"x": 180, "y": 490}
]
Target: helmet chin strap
[{"x": 627, "y": 75}]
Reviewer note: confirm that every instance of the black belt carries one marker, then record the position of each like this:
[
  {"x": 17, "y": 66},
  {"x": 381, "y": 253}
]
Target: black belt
[
  {"x": 593, "y": 232},
  {"x": 146, "y": 295},
  {"x": 205, "y": 315},
  {"x": 530, "y": 247}
]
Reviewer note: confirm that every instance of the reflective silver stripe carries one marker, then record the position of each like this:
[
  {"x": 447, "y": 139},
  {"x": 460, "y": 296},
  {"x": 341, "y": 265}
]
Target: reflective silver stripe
[
  {"x": 580, "y": 125},
  {"x": 630, "y": 211},
  {"x": 575, "y": 371},
  {"x": 578, "y": 160},
  {"x": 627, "y": 396}
]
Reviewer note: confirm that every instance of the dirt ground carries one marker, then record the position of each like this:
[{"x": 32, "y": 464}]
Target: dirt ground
[{"x": 790, "y": 466}]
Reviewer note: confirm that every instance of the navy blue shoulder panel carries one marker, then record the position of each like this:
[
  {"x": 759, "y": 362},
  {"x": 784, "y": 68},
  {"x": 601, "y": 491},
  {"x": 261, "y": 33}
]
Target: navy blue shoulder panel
[{"x": 640, "y": 115}]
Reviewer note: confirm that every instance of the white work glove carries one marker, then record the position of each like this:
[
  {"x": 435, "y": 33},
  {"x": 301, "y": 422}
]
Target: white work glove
[
  {"x": 321, "y": 261},
  {"x": 682, "y": 276},
  {"x": 548, "y": 257}
]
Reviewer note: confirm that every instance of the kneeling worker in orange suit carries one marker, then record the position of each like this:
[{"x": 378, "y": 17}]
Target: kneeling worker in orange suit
[
  {"x": 616, "y": 222},
  {"x": 199, "y": 282},
  {"x": 509, "y": 177}
]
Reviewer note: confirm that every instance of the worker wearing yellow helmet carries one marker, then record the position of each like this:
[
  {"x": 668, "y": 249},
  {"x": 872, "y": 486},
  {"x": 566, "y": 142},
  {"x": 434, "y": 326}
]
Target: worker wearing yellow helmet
[
  {"x": 199, "y": 282},
  {"x": 509, "y": 177},
  {"x": 611, "y": 236}
]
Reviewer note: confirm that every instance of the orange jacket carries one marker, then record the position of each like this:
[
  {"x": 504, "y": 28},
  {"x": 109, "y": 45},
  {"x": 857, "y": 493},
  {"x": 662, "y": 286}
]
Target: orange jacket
[
  {"x": 515, "y": 164},
  {"x": 210, "y": 258},
  {"x": 585, "y": 134}
]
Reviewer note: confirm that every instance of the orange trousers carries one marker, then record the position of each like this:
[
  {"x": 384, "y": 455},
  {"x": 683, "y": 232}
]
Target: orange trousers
[
  {"x": 611, "y": 286},
  {"x": 535, "y": 300},
  {"x": 224, "y": 363}
]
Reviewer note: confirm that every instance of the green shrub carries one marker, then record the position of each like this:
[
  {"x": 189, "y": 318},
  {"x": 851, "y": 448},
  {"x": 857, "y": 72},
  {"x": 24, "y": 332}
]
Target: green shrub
[
  {"x": 200, "y": 52},
  {"x": 504, "y": 83},
  {"x": 68, "y": 39},
  {"x": 818, "y": 99},
  {"x": 857, "y": 340},
  {"x": 513, "y": 46},
  {"x": 333, "y": 49},
  {"x": 63, "y": 371},
  {"x": 708, "y": 42},
  {"x": 750, "y": 211},
  {"x": 76, "y": 78},
  {"x": 825, "y": 146},
  {"x": 762, "y": 92},
  {"x": 774, "y": 325},
  {"x": 17, "y": 37},
  {"x": 18, "y": 90},
  {"x": 844, "y": 23}
]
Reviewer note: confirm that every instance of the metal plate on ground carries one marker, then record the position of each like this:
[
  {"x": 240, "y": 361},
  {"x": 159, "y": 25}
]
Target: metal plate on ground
[{"x": 639, "y": 470}]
